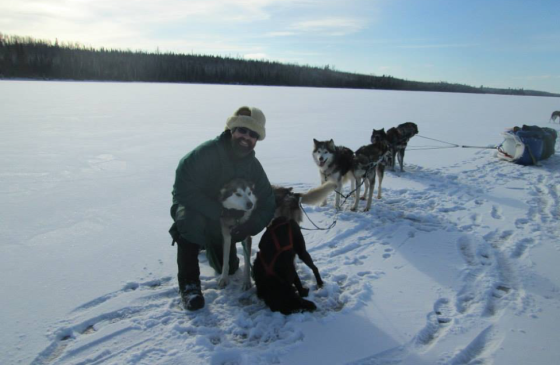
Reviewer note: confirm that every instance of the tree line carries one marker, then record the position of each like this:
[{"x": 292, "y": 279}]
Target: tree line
[{"x": 25, "y": 57}]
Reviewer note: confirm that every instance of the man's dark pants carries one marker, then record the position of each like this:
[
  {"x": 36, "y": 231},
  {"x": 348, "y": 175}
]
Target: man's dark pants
[{"x": 188, "y": 265}]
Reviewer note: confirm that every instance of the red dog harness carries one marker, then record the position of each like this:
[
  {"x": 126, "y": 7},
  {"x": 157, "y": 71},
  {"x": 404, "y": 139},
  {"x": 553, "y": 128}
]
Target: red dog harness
[{"x": 269, "y": 268}]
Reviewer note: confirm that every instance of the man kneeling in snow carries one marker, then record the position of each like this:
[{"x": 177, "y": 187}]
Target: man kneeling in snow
[{"x": 196, "y": 209}]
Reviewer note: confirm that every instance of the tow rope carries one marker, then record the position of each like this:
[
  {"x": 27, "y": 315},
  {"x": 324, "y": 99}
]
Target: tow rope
[{"x": 450, "y": 145}]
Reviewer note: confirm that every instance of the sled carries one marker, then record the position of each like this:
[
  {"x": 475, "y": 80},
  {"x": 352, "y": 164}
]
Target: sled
[{"x": 527, "y": 145}]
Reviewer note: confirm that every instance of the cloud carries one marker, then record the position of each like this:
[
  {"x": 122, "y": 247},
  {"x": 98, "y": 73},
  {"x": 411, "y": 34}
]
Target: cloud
[
  {"x": 34, "y": 14},
  {"x": 225, "y": 27},
  {"x": 110, "y": 23},
  {"x": 449, "y": 45},
  {"x": 330, "y": 26},
  {"x": 280, "y": 34},
  {"x": 255, "y": 56}
]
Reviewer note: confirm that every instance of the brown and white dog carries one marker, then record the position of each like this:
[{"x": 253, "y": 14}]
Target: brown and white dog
[
  {"x": 369, "y": 163},
  {"x": 274, "y": 269},
  {"x": 236, "y": 195}
]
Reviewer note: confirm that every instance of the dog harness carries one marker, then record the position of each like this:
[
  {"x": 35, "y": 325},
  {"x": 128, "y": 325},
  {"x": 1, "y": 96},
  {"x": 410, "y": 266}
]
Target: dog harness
[{"x": 269, "y": 267}]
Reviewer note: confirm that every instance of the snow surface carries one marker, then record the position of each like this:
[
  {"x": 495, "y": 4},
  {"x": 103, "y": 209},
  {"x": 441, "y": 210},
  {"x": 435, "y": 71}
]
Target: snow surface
[{"x": 456, "y": 264}]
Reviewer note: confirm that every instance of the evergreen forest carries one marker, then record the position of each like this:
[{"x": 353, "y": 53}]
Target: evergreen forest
[{"x": 28, "y": 58}]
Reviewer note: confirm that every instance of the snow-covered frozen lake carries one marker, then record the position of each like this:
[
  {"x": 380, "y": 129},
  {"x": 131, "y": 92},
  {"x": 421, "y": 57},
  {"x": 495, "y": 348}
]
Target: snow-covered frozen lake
[{"x": 457, "y": 264}]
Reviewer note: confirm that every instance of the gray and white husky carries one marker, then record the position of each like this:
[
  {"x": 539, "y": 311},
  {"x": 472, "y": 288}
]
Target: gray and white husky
[
  {"x": 238, "y": 195},
  {"x": 335, "y": 165},
  {"x": 555, "y": 116}
]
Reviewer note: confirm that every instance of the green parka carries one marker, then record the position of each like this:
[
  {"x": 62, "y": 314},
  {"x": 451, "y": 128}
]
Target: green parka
[{"x": 198, "y": 179}]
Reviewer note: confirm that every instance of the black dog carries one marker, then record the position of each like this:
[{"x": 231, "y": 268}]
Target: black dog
[
  {"x": 397, "y": 139},
  {"x": 274, "y": 270}
]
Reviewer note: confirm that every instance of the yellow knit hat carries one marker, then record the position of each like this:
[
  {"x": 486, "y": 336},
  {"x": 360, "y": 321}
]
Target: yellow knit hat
[{"x": 250, "y": 118}]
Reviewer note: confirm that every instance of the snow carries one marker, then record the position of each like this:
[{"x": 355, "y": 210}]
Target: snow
[{"x": 456, "y": 264}]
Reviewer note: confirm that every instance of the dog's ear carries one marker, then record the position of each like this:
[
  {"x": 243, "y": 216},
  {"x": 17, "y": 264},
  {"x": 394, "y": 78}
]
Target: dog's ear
[
  {"x": 331, "y": 145},
  {"x": 315, "y": 142}
]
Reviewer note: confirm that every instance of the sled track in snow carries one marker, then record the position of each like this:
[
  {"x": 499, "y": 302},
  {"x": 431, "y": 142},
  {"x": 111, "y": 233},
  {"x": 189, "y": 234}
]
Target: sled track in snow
[{"x": 489, "y": 282}]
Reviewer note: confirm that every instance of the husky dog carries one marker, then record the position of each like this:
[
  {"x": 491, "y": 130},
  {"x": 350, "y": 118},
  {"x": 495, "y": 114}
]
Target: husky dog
[
  {"x": 274, "y": 269},
  {"x": 555, "y": 115},
  {"x": 398, "y": 139},
  {"x": 237, "y": 195},
  {"x": 369, "y": 162},
  {"x": 378, "y": 135},
  {"x": 335, "y": 164}
]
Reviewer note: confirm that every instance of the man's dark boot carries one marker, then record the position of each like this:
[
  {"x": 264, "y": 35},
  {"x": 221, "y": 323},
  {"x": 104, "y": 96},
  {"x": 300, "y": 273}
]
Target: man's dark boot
[
  {"x": 192, "y": 297},
  {"x": 189, "y": 275}
]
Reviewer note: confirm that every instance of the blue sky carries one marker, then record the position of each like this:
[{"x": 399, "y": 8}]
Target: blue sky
[{"x": 495, "y": 43}]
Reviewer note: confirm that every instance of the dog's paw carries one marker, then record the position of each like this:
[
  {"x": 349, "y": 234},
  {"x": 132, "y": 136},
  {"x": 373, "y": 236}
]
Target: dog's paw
[
  {"x": 304, "y": 292},
  {"x": 247, "y": 285},
  {"x": 308, "y": 305},
  {"x": 223, "y": 281}
]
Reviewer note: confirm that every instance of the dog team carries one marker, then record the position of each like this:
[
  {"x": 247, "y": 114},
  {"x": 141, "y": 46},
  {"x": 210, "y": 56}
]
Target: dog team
[
  {"x": 221, "y": 196},
  {"x": 339, "y": 164}
]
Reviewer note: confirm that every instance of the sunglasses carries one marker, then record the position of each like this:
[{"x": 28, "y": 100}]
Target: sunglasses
[{"x": 243, "y": 130}]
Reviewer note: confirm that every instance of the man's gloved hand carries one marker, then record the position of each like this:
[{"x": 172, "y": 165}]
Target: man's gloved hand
[
  {"x": 232, "y": 213},
  {"x": 240, "y": 232}
]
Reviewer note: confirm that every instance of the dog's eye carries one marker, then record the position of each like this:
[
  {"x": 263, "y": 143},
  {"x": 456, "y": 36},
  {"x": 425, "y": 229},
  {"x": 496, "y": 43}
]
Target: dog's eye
[{"x": 238, "y": 194}]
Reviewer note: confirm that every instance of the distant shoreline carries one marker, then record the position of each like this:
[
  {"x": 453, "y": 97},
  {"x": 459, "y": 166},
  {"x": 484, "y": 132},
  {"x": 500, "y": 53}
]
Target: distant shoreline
[
  {"x": 545, "y": 94},
  {"x": 24, "y": 58}
]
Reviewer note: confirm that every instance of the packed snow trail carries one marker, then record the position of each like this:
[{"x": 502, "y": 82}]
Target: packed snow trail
[{"x": 493, "y": 257}]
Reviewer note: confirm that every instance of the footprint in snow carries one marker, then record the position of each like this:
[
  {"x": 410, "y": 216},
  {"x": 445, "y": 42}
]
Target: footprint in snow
[
  {"x": 521, "y": 222},
  {"x": 353, "y": 261},
  {"x": 480, "y": 350},
  {"x": 465, "y": 249},
  {"x": 522, "y": 246},
  {"x": 444, "y": 311},
  {"x": 131, "y": 286},
  {"x": 388, "y": 252},
  {"x": 496, "y": 212},
  {"x": 484, "y": 256},
  {"x": 476, "y": 219},
  {"x": 438, "y": 322},
  {"x": 498, "y": 239}
]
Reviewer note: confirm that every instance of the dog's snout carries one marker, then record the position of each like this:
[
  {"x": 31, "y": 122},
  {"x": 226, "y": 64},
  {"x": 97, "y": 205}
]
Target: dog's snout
[{"x": 249, "y": 205}]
